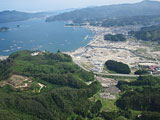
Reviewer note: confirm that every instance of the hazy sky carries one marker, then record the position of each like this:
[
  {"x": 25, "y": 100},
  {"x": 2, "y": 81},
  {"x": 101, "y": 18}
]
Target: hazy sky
[{"x": 44, "y": 5}]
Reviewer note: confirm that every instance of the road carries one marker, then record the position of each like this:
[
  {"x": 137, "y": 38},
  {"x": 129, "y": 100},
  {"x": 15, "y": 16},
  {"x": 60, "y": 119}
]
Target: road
[
  {"x": 76, "y": 62},
  {"x": 116, "y": 75},
  {"x": 108, "y": 74}
]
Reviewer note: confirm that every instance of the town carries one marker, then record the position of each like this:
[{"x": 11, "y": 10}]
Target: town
[{"x": 135, "y": 53}]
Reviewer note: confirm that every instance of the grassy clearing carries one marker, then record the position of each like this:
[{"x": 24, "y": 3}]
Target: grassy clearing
[
  {"x": 141, "y": 50},
  {"x": 88, "y": 67},
  {"x": 135, "y": 113},
  {"x": 155, "y": 49},
  {"x": 108, "y": 105}
]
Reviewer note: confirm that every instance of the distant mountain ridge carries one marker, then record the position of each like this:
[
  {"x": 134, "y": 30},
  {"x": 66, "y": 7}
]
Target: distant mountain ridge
[
  {"x": 11, "y": 16},
  {"x": 143, "y": 8}
]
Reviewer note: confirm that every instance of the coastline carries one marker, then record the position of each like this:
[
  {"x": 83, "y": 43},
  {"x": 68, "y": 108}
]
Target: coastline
[
  {"x": 97, "y": 51},
  {"x": 3, "y": 57},
  {"x": 93, "y": 56},
  {"x": 52, "y": 37}
]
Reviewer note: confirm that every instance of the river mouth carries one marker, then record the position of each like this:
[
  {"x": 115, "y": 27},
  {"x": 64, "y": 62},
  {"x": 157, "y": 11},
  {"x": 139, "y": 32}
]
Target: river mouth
[{"x": 37, "y": 34}]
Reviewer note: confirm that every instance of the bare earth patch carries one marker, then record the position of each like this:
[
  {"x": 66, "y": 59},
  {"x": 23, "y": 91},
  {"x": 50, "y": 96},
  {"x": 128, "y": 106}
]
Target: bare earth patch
[
  {"x": 17, "y": 81},
  {"x": 109, "y": 89}
]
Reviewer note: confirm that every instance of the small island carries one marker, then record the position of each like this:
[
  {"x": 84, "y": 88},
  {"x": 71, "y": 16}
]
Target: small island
[
  {"x": 18, "y": 26},
  {"x": 115, "y": 38},
  {"x": 4, "y": 29}
]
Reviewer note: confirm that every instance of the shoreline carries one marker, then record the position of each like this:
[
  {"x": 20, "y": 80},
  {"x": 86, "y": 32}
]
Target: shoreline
[
  {"x": 93, "y": 56},
  {"x": 3, "y": 57},
  {"x": 97, "y": 51},
  {"x": 69, "y": 40}
]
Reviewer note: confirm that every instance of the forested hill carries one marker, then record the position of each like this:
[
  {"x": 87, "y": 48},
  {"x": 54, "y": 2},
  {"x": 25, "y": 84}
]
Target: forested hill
[
  {"x": 121, "y": 10},
  {"x": 11, "y": 16},
  {"x": 151, "y": 33},
  {"x": 45, "y": 86}
]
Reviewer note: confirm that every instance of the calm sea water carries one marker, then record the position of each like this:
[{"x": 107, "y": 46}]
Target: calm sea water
[{"x": 40, "y": 35}]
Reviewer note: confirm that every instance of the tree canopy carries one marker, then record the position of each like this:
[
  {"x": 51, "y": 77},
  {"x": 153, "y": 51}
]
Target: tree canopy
[
  {"x": 118, "y": 67},
  {"x": 115, "y": 38},
  {"x": 64, "y": 96}
]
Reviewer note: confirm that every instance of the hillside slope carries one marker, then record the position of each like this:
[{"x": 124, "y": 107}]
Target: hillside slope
[
  {"x": 121, "y": 10},
  {"x": 46, "y": 86},
  {"x": 11, "y": 16}
]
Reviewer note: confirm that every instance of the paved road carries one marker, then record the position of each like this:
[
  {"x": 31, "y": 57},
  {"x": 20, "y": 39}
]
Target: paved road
[
  {"x": 108, "y": 74},
  {"x": 117, "y": 75}
]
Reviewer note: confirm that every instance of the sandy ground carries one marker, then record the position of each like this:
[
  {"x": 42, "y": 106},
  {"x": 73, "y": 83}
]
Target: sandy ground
[{"x": 3, "y": 57}]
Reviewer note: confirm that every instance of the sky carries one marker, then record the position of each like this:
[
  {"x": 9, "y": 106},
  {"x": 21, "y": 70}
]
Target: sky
[{"x": 46, "y": 5}]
